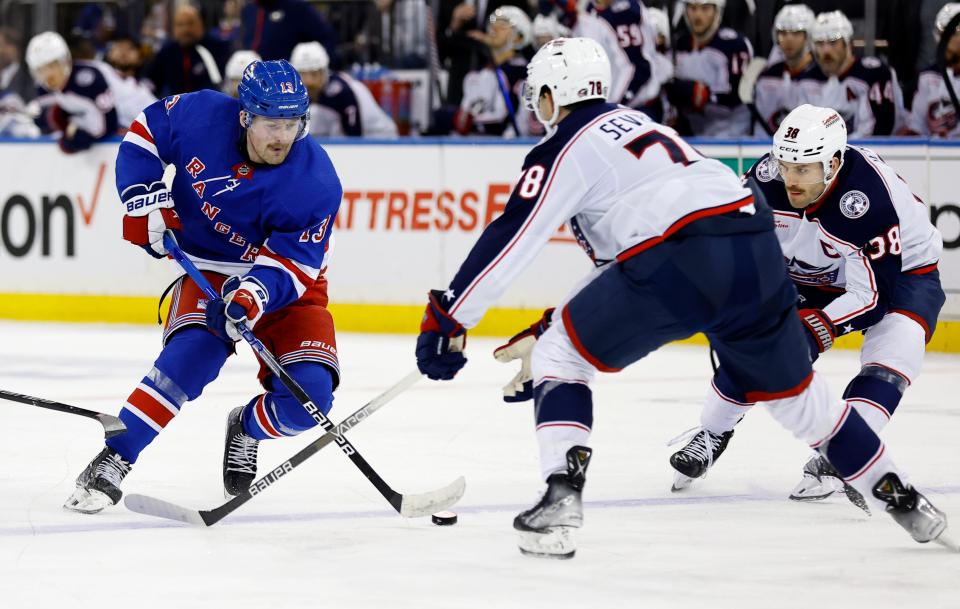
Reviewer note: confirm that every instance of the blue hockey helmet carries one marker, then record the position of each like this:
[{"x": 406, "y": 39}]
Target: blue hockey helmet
[{"x": 273, "y": 89}]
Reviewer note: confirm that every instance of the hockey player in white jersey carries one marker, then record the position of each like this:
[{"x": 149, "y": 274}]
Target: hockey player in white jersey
[
  {"x": 582, "y": 24},
  {"x": 791, "y": 81},
  {"x": 680, "y": 246},
  {"x": 710, "y": 62},
  {"x": 863, "y": 254},
  {"x": 233, "y": 72},
  {"x": 340, "y": 105},
  {"x": 76, "y": 99},
  {"x": 491, "y": 95},
  {"x": 933, "y": 112},
  {"x": 865, "y": 91}
]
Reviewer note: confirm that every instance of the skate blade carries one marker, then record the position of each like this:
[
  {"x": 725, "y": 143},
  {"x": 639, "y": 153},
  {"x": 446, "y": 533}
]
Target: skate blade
[
  {"x": 681, "y": 482},
  {"x": 553, "y": 542},
  {"x": 948, "y": 542},
  {"x": 811, "y": 489},
  {"x": 87, "y": 502}
]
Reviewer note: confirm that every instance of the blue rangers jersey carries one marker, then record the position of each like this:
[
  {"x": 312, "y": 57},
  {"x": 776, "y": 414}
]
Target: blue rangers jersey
[
  {"x": 270, "y": 222},
  {"x": 853, "y": 244},
  {"x": 85, "y": 110},
  {"x": 623, "y": 182}
]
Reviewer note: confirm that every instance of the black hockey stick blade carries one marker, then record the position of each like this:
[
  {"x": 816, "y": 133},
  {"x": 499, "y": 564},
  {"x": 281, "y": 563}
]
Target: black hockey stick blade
[
  {"x": 112, "y": 426},
  {"x": 407, "y": 505}
]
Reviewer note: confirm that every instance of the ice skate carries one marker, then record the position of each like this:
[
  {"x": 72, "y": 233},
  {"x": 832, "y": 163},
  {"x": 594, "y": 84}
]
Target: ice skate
[
  {"x": 700, "y": 453},
  {"x": 239, "y": 456},
  {"x": 820, "y": 480},
  {"x": 98, "y": 486},
  {"x": 912, "y": 511},
  {"x": 546, "y": 529}
]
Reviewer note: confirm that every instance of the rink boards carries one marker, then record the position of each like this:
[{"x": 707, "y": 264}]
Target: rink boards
[{"x": 409, "y": 215}]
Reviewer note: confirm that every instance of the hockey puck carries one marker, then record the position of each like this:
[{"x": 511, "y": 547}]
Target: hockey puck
[{"x": 444, "y": 519}]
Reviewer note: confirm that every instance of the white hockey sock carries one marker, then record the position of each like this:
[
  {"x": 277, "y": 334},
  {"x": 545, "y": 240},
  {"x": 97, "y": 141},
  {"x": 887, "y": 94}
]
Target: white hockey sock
[
  {"x": 555, "y": 440},
  {"x": 720, "y": 414}
]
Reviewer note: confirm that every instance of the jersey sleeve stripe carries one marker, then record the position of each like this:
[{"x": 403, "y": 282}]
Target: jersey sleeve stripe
[
  {"x": 139, "y": 135},
  {"x": 302, "y": 275},
  {"x": 529, "y": 220}
]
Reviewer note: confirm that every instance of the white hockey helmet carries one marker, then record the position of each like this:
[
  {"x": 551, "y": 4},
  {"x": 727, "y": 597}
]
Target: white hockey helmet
[
  {"x": 719, "y": 4},
  {"x": 573, "y": 69},
  {"x": 238, "y": 62},
  {"x": 549, "y": 27},
  {"x": 518, "y": 20},
  {"x": 46, "y": 48},
  {"x": 309, "y": 57},
  {"x": 833, "y": 26},
  {"x": 948, "y": 12},
  {"x": 811, "y": 134},
  {"x": 660, "y": 22},
  {"x": 794, "y": 18}
]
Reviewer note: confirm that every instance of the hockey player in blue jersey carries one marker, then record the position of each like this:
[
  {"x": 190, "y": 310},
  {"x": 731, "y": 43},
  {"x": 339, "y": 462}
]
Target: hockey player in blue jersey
[
  {"x": 680, "y": 246},
  {"x": 863, "y": 254},
  {"x": 252, "y": 204},
  {"x": 75, "y": 98}
]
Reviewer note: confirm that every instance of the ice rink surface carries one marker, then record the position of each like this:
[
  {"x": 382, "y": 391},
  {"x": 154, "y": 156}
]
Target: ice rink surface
[{"x": 323, "y": 537}]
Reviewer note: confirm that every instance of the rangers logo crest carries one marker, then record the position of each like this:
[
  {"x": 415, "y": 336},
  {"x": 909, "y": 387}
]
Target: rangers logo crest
[
  {"x": 766, "y": 170},
  {"x": 854, "y": 204}
]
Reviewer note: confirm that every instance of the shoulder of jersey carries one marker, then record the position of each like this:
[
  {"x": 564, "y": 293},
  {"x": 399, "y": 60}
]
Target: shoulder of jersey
[
  {"x": 728, "y": 35},
  {"x": 871, "y": 70},
  {"x": 775, "y": 71},
  {"x": 335, "y": 87},
  {"x": 931, "y": 70},
  {"x": 624, "y": 6},
  {"x": 86, "y": 74},
  {"x": 767, "y": 177},
  {"x": 862, "y": 203}
]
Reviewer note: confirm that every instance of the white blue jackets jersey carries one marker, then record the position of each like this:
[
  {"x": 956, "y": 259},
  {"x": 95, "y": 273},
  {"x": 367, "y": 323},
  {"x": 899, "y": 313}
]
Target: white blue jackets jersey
[
  {"x": 347, "y": 108},
  {"x": 867, "y": 96},
  {"x": 779, "y": 90},
  {"x": 87, "y": 101},
  {"x": 269, "y": 222},
  {"x": 933, "y": 112},
  {"x": 719, "y": 65},
  {"x": 622, "y": 181},
  {"x": 638, "y": 39},
  {"x": 856, "y": 241},
  {"x": 590, "y": 26}
]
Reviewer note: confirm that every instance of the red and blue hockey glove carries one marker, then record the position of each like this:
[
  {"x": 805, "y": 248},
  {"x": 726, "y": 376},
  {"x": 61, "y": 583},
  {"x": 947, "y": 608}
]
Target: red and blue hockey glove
[
  {"x": 149, "y": 212},
  {"x": 441, "y": 341},
  {"x": 520, "y": 346},
  {"x": 820, "y": 330},
  {"x": 689, "y": 94},
  {"x": 243, "y": 300}
]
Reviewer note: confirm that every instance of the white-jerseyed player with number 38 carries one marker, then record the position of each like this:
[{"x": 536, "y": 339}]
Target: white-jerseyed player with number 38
[{"x": 680, "y": 247}]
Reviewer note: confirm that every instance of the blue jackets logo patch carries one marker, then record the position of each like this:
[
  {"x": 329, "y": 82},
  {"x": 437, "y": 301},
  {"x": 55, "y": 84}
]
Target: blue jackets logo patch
[{"x": 854, "y": 204}]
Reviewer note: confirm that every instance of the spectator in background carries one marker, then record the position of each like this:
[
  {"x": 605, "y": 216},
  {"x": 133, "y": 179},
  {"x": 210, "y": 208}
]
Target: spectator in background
[
  {"x": 130, "y": 93},
  {"x": 933, "y": 111},
  {"x": 340, "y": 105},
  {"x": 76, "y": 99},
  {"x": 710, "y": 61},
  {"x": 234, "y": 71},
  {"x": 229, "y": 26},
  {"x": 459, "y": 53},
  {"x": 15, "y": 79},
  {"x": 192, "y": 61},
  {"x": 273, "y": 27}
]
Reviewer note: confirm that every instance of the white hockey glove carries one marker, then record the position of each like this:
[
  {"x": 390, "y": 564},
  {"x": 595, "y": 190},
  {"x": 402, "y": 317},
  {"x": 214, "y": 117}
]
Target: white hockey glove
[
  {"x": 520, "y": 346},
  {"x": 149, "y": 212}
]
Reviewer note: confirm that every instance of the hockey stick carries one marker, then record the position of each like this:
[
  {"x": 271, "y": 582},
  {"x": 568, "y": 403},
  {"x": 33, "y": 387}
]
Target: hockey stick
[
  {"x": 112, "y": 426},
  {"x": 408, "y": 506},
  {"x": 746, "y": 91},
  {"x": 413, "y": 505}
]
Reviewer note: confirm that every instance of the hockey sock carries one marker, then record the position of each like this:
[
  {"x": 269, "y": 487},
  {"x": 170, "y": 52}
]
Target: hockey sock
[
  {"x": 564, "y": 417},
  {"x": 191, "y": 359},
  {"x": 876, "y": 393},
  {"x": 278, "y": 413},
  {"x": 853, "y": 447}
]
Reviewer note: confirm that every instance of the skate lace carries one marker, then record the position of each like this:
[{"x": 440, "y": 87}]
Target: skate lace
[
  {"x": 242, "y": 454},
  {"x": 702, "y": 444},
  {"x": 113, "y": 469}
]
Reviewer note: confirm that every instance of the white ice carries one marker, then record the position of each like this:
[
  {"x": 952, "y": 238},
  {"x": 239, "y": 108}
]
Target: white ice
[{"x": 323, "y": 537}]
